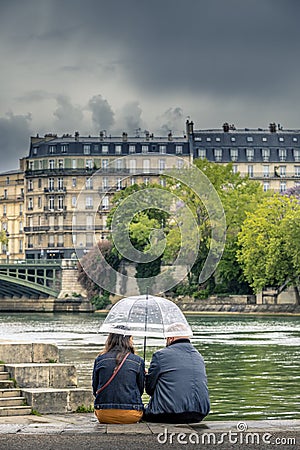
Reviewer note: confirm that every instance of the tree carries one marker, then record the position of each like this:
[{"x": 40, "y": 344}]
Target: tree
[
  {"x": 92, "y": 270},
  {"x": 269, "y": 244}
]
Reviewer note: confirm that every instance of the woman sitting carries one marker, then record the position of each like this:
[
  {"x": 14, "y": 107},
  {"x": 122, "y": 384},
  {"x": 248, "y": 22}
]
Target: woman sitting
[{"x": 118, "y": 381}]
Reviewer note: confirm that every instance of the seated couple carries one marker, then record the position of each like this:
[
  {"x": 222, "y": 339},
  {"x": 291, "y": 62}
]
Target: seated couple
[{"x": 176, "y": 382}]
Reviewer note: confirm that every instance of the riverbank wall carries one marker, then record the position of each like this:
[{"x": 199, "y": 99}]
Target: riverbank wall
[{"x": 68, "y": 304}]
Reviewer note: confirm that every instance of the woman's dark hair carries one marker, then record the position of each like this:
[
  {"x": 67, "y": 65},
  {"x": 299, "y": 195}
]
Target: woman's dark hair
[{"x": 120, "y": 343}]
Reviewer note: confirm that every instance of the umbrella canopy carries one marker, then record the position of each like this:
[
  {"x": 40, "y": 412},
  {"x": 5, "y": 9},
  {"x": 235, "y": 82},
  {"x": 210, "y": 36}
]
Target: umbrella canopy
[{"x": 146, "y": 316}]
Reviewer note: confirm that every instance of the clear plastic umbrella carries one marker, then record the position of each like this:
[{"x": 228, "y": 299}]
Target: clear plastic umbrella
[{"x": 147, "y": 316}]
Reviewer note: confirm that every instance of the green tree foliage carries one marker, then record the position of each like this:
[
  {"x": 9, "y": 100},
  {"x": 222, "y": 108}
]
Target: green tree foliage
[
  {"x": 269, "y": 243},
  {"x": 3, "y": 237},
  {"x": 91, "y": 270}
]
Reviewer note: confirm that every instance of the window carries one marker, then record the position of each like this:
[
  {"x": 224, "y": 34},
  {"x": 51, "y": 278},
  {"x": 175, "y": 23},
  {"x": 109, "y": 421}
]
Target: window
[
  {"x": 30, "y": 203},
  {"x": 64, "y": 148},
  {"x": 74, "y": 163},
  {"x": 249, "y": 139},
  {"x": 41, "y": 164},
  {"x": 132, "y": 181},
  {"x": 119, "y": 164},
  {"x": 297, "y": 171},
  {"x": 163, "y": 149},
  {"x": 74, "y": 201},
  {"x": 266, "y": 171},
  {"x": 145, "y": 148},
  {"x": 39, "y": 183},
  {"x": 218, "y": 139},
  {"x": 60, "y": 184},
  {"x": 104, "y": 182},
  {"x": 232, "y": 139},
  {"x": 30, "y": 185},
  {"x": 74, "y": 182},
  {"x": 202, "y": 153},
  {"x": 118, "y": 149},
  {"x": 4, "y": 226},
  {"x": 89, "y": 164},
  {"x": 51, "y": 202},
  {"x": 162, "y": 182},
  {"x": 4, "y": 210},
  {"x": 30, "y": 165},
  {"x": 52, "y": 148},
  {"x": 266, "y": 186},
  {"x": 35, "y": 150},
  {"x": 179, "y": 163},
  {"x": 39, "y": 202},
  {"x": 89, "y": 202},
  {"x": 208, "y": 139},
  {"x": 7, "y": 180},
  {"x": 119, "y": 183},
  {"x": 282, "y": 154},
  {"x": 146, "y": 165},
  {"x": 51, "y": 184},
  {"x": 89, "y": 183},
  {"x": 282, "y": 171},
  {"x": 89, "y": 222},
  {"x": 20, "y": 245},
  {"x": 51, "y": 240},
  {"x": 60, "y": 163},
  {"x": 250, "y": 171},
  {"x": 218, "y": 154},
  {"x": 74, "y": 239},
  {"x": 5, "y": 194},
  {"x": 265, "y": 152},
  {"x": 105, "y": 203},
  {"x": 86, "y": 149},
  {"x": 21, "y": 209},
  {"x": 295, "y": 139},
  {"x": 297, "y": 155},
  {"x": 96, "y": 147},
  {"x": 20, "y": 227},
  {"x": 146, "y": 181},
  {"x": 234, "y": 168},
  {"x": 281, "y": 139},
  {"x": 132, "y": 165},
  {"x": 105, "y": 149},
  {"x": 234, "y": 154},
  {"x": 162, "y": 164},
  {"x": 282, "y": 186},
  {"x": 178, "y": 149},
  {"x": 131, "y": 148},
  {"x": 250, "y": 154},
  {"x": 51, "y": 164},
  {"x": 104, "y": 163},
  {"x": 60, "y": 202}
]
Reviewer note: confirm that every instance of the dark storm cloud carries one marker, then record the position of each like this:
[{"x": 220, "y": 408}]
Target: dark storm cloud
[
  {"x": 68, "y": 116},
  {"x": 14, "y": 139},
  {"x": 102, "y": 113}
]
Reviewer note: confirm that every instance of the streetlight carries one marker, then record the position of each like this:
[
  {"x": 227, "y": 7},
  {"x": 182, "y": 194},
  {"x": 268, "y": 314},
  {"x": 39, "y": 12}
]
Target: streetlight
[{"x": 7, "y": 248}]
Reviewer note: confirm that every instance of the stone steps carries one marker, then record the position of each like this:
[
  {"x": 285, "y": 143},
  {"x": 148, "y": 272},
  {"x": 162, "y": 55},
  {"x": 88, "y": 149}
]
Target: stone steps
[
  {"x": 6, "y": 384},
  {"x": 4, "y": 375},
  {"x": 12, "y": 401},
  {"x": 15, "y": 411},
  {"x": 4, "y": 393}
]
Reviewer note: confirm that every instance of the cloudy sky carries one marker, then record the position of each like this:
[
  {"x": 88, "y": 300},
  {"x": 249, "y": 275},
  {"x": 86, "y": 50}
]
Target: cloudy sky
[{"x": 117, "y": 65}]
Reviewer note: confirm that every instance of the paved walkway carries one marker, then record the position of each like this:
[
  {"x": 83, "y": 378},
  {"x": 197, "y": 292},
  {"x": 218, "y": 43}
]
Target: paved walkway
[{"x": 82, "y": 431}]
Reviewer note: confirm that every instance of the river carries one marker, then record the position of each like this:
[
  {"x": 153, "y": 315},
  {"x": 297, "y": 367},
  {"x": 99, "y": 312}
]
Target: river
[{"x": 252, "y": 362}]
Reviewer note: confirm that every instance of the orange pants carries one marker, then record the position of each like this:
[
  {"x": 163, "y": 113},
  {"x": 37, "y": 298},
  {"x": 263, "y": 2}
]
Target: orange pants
[{"x": 118, "y": 415}]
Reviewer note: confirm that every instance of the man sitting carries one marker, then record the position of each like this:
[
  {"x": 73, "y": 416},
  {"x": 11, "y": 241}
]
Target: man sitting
[{"x": 176, "y": 381}]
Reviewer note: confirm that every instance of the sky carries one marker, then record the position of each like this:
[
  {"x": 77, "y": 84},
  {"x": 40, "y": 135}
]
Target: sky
[{"x": 128, "y": 65}]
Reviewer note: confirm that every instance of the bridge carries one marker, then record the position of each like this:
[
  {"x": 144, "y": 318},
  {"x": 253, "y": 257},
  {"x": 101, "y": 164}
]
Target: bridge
[{"x": 33, "y": 278}]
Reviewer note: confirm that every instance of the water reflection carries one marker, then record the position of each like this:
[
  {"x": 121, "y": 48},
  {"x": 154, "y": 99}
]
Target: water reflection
[{"x": 252, "y": 362}]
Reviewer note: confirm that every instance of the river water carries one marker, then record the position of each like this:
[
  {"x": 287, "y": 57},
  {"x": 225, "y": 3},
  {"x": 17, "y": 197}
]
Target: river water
[{"x": 252, "y": 362}]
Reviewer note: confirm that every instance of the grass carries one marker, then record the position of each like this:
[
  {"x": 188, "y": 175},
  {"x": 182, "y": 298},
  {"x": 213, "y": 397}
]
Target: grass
[{"x": 85, "y": 409}]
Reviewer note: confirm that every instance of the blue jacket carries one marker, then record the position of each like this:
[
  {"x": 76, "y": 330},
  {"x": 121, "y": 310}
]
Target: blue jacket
[
  {"x": 176, "y": 380},
  {"x": 126, "y": 389}
]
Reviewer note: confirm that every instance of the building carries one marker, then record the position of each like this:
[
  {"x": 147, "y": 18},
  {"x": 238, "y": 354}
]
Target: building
[
  {"x": 12, "y": 214},
  {"x": 69, "y": 182},
  {"x": 271, "y": 156},
  {"x": 60, "y": 197}
]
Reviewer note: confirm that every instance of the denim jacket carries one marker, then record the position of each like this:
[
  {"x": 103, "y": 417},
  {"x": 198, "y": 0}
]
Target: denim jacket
[{"x": 126, "y": 389}]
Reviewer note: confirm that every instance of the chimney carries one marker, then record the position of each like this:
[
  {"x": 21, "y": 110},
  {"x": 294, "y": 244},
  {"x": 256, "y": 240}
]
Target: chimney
[
  {"x": 147, "y": 135},
  {"x": 101, "y": 135},
  {"x": 124, "y": 136},
  {"x": 273, "y": 127},
  {"x": 170, "y": 136},
  {"x": 76, "y": 135},
  {"x": 226, "y": 127}
]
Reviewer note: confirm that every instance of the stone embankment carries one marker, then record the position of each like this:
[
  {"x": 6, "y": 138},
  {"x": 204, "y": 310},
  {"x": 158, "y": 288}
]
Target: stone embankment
[{"x": 32, "y": 373}]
